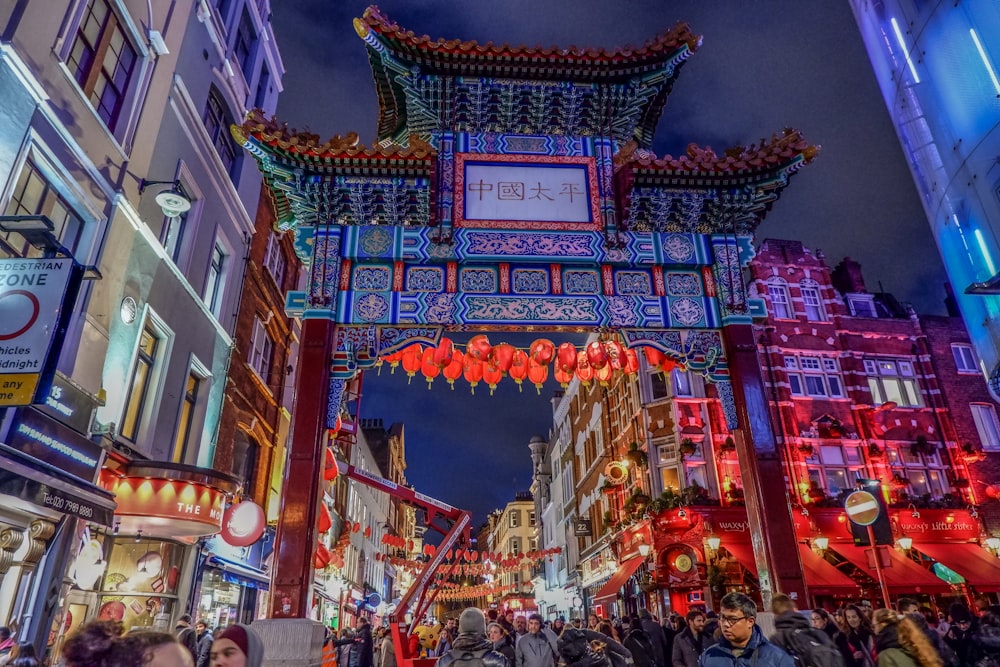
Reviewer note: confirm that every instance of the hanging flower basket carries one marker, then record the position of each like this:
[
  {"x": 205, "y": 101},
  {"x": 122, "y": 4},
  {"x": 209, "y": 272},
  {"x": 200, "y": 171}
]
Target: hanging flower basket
[
  {"x": 875, "y": 452},
  {"x": 806, "y": 449},
  {"x": 687, "y": 447},
  {"x": 609, "y": 489},
  {"x": 635, "y": 455},
  {"x": 922, "y": 446},
  {"x": 729, "y": 446},
  {"x": 899, "y": 482},
  {"x": 970, "y": 454},
  {"x": 639, "y": 501}
]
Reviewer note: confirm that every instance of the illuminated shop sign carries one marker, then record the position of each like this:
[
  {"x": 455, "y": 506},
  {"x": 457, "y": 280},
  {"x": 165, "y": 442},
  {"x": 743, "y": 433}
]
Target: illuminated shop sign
[
  {"x": 69, "y": 404},
  {"x": 47, "y": 440},
  {"x": 166, "y": 507}
]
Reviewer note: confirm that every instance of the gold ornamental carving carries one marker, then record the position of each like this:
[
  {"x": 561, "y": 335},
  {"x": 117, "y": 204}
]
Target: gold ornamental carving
[
  {"x": 10, "y": 541},
  {"x": 39, "y": 533}
]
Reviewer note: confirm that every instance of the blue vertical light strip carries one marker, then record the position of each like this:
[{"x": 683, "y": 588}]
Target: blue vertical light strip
[
  {"x": 986, "y": 60},
  {"x": 986, "y": 253},
  {"x": 906, "y": 51}
]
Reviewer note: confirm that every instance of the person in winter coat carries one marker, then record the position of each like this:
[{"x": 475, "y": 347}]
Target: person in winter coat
[
  {"x": 900, "y": 643},
  {"x": 824, "y": 622},
  {"x": 638, "y": 642},
  {"x": 365, "y": 643},
  {"x": 959, "y": 635},
  {"x": 690, "y": 642},
  {"x": 533, "y": 649},
  {"x": 237, "y": 646},
  {"x": 860, "y": 638},
  {"x": 498, "y": 636},
  {"x": 581, "y": 637},
  {"x": 986, "y": 641},
  {"x": 472, "y": 640},
  {"x": 347, "y": 655},
  {"x": 575, "y": 650},
  {"x": 742, "y": 643}
]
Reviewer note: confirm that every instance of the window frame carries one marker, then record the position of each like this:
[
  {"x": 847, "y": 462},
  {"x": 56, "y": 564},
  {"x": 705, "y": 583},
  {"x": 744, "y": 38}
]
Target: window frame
[
  {"x": 153, "y": 384},
  {"x": 274, "y": 260},
  {"x": 216, "y": 117},
  {"x": 49, "y": 198},
  {"x": 989, "y": 412},
  {"x": 216, "y": 278},
  {"x": 801, "y": 370},
  {"x": 189, "y": 407},
  {"x": 261, "y": 350},
  {"x": 815, "y": 312},
  {"x": 907, "y": 394},
  {"x": 777, "y": 286},
  {"x": 959, "y": 352}
]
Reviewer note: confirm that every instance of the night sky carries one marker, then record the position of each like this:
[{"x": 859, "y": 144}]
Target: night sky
[{"x": 763, "y": 65}]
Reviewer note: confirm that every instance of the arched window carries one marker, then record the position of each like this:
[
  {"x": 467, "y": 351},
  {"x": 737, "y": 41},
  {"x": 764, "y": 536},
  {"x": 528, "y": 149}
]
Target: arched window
[
  {"x": 812, "y": 300},
  {"x": 781, "y": 302}
]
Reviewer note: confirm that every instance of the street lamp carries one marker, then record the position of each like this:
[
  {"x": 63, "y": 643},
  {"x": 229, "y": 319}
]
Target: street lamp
[
  {"x": 644, "y": 549},
  {"x": 905, "y": 543},
  {"x": 993, "y": 543},
  {"x": 713, "y": 542},
  {"x": 172, "y": 201}
]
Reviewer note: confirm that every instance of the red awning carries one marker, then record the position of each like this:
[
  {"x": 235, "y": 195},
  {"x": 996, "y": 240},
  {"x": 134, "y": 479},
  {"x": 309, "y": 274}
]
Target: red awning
[
  {"x": 744, "y": 554},
  {"x": 904, "y": 577},
  {"x": 977, "y": 567},
  {"x": 821, "y": 576},
  {"x": 614, "y": 585}
]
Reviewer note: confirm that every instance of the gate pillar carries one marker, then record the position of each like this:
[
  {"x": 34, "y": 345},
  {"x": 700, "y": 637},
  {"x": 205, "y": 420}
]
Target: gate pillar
[
  {"x": 295, "y": 541},
  {"x": 768, "y": 506}
]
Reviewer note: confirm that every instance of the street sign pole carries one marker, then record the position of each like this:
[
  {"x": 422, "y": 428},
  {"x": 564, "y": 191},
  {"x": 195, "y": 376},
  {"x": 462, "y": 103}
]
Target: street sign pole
[
  {"x": 863, "y": 509},
  {"x": 879, "y": 573}
]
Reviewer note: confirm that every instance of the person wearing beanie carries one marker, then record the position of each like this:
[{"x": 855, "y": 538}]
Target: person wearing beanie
[
  {"x": 237, "y": 646},
  {"x": 472, "y": 648}
]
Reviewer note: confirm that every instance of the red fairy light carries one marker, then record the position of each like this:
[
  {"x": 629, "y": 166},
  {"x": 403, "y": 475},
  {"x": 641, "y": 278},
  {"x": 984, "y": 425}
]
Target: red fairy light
[
  {"x": 596, "y": 355},
  {"x": 566, "y": 358},
  {"x": 542, "y": 351},
  {"x": 430, "y": 369},
  {"x": 503, "y": 356}
]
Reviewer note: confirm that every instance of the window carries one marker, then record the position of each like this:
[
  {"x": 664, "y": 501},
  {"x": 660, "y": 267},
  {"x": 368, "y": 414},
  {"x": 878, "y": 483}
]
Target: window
[
  {"x": 274, "y": 260},
  {"x": 213, "y": 286},
  {"x": 103, "y": 60},
  {"x": 862, "y": 306},
  {"x": 682, "y": 382},
  {"x": 182, "y": 440},
  {"x": 985, "y": 418},
  {"x": 263, "y": 85},
  {"x": 965, "y": 358},
  {"x": 531, "y": 518},
  {"x": 660, "y": 387},
  {"x": 244, "y": 44},
  {"x": 819, "y": 376},
  {"x": 781, "y": 304},
  {"x": 515, "y": 518},
  {"x": 812, "y": 302},
  {"x": 261, "y": 350},
  {"x": 892, "y": 380},
  {"x": 173, "y": 234},
  {"x": 145, "y": 362},
  {"x": 34, "y": 195},
  {"x": 217, "y": 121}
]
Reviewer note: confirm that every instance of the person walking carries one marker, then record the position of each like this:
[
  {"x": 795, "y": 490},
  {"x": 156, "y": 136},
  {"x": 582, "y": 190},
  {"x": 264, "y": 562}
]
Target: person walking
[
  {"x": 186, "y": 635},
  {"x": 636, "y": 640},
  {"x": 533, "y": 648},
  {"x": 808, "y": 646},
  {"x": 365, "y": 643},
  {"x": 656, "y": 638},
  {"x": 205, "y": 638},
  {"x": 472, "y": 647},
  {"x": 900, "y": 643},
  {"x": 742, "y": 643},
  {"x": 860, "y": 639},
  {"x": 690, "y": 642},
  {"x": 498, "y": 636}
]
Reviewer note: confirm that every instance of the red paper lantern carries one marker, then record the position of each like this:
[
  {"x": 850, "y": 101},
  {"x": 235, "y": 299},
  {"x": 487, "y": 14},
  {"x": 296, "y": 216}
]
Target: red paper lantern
[
  {"x": 243, "y": 523},
  {"x": 325, "y": 522},
  {"x": 604, "y": 375},
  {"x": 993, "y": 491},
  {"x": 583, "y": 370},
  {"x": 393, "y": 359},
  {"x": 519, "y": 369},
  {"x": 653, "y": 356},
  {"x": 413, "y": 359},
  {"x": 502, "y": 356},
  {"x": 491, "y": 376},
  {"x": 430, "y": 369},
  {"x": 616, "y": 354},
  {"x": 542, "y": 351},
  {"x": 454, "y": 369},
  {"x": 321, "y": 558},
  {"x": 443, "y": 353},
  {"x": 479, "y": 348},
  {"x": 330, "y": 470},
  {"x": 473, "y": 371},
  {"x": 356, "y": 527},
  {"x": 537, "y": 374},
  {"x": 566, "y": 357},
  {"x": 631, "y": 362},
  {"x": 563, "y": 378},
  {"x": 337, "y": 424},
  {"x": 368, "y": 531},
  {"x": 596, "y": 355}
]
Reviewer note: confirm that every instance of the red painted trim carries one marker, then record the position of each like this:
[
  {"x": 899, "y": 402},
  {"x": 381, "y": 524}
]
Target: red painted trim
[
  {"x": 556, "y": 270},
  {"x": 451, "y": 278},
  {"x": 504, "y": 278},
  {"x": 397, "y": 276},
  {"x": 345, "y": 275},
  {"x": 659, "y": 287},
  {"x": 608, "y": 278},
  {"x": 709, "y": 278}
]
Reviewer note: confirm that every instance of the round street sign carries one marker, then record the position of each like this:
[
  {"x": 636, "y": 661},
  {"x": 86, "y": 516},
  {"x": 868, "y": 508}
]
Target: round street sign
[{"x": 862, "y": 508}]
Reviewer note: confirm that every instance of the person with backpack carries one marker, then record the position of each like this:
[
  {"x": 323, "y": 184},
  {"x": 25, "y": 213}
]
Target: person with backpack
[
  {"x": 742, "y": 643},
  {"x": 808, "y": 646},
  {"x": 900, "y": 643},
  {"x": 472, "y": 648},
  {"x": 187, "y": 636},
  {"x": 638, "y": 642}
]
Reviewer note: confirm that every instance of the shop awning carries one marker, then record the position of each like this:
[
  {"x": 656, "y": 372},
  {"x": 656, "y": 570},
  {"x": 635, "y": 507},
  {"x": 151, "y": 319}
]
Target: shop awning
[
  {"x": 28, "y": 479},
  {"x": 977, "y": 567},
  {"x": 821, "y": 576},
  {"x": 904, "y": 577},
  {"x": 742, "y": 552},
  {"x": 625, "y": 570},
  {"x": 244, "y": 575}
]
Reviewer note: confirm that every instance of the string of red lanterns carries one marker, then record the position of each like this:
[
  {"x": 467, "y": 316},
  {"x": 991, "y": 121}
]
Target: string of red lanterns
[{"x": 483, "y": 362}]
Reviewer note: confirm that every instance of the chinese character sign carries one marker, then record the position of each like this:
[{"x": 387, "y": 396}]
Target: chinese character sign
[{"x": 527, "y": 192}]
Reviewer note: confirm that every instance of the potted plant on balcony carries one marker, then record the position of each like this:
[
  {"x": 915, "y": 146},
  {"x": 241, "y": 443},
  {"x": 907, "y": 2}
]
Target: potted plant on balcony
[
  {"x": 922, "y": 446},
  {"x": 970, "y": 454},
  {"x": 875, "y": 452},
  {"x": 899, "y": 482},
  {"x": 806, "y": 449},
  {"x": 638, "y": 502},
  {"x": 816, "y": 493},
  {"x": 735, "y": 496},
  {"x": 636, "y": 456},
  {"x": 728, "y": 446},
  {"x": 687, "y": 447}
]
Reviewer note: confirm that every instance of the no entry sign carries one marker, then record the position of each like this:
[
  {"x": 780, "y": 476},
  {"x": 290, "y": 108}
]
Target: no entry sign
[{"x": 862, "y": 508}]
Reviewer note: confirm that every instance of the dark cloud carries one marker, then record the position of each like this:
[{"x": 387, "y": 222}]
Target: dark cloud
[{"x": 763, "y": 65}]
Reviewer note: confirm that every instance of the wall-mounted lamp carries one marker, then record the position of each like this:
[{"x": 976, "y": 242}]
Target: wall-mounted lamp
[
  {"x": 681, "y": 513},
  {"x": 821, "y": 543},
  {"x": 913, "y": 511},
  {"x": 577, "y": 602},
  {"x": 644, "y": 549},
  {"x": 905, "y": 543},
  {"x": 992, "y": 543},
  {"x": 172, "y": 201},
  {"x": 713, "y": 542}
]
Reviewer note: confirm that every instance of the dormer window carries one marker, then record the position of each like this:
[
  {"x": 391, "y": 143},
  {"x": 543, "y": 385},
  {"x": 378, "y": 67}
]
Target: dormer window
[{"x": 862, "y": 305}]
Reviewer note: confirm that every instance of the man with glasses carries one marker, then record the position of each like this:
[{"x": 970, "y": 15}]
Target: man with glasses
[{"x": 742, "y": 643}]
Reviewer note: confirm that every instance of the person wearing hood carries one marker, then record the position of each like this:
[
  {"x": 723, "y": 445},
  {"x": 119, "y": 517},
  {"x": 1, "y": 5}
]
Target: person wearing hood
[
  {"x": 472, "y": 640},
  {"x": 742, "y": 643},
  {"x": 637, "y": 640},
  {"x": 576, "y": 650},
  {"x": 656, "y": 638},
  {"x": 237, "y": 646},
  {"x": 900, "y": 643}
]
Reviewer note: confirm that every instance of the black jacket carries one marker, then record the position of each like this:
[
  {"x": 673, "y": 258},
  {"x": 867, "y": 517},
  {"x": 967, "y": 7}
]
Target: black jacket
[
  {"x": 468, "y": 642},
  {"x": 366, "y": 647},
  {"x": 687, "y": 649},
  {"x": 637, "y": 641}
]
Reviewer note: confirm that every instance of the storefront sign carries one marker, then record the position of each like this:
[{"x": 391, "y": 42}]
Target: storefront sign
[
  {"x": 583, "y": 528},
  {"x": 633, "y": 538},
  {"x": 68, "y": 500},
  {"x": 47, "y": 440},
  {"x": 937, "y": 525},
  {"x": 69, "y": 404},
  {"x": 173, "y": 508},
  {"x": 31, "y": 298}
]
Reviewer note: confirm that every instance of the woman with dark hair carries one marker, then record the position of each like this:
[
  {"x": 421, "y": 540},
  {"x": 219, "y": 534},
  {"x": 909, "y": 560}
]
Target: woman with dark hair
[
  {"x": 101, "y": 644},
  {"x": 606, "y": 628},
  {"x": 860, "y": 643},
  {"x": 900, "y": 643},
  {"x": 822, "y": 620}
]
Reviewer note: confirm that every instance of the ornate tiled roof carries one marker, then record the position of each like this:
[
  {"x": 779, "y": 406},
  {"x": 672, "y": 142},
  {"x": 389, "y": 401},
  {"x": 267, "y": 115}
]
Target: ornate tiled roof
[
  {"x": 517, "y": 61},
  {"x": 426, "y": 86}
]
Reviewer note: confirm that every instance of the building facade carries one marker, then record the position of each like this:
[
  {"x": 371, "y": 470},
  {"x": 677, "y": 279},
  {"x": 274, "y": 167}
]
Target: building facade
[
  {"x": 512, "y": 533},
  {"x": 116, "y": 152}
]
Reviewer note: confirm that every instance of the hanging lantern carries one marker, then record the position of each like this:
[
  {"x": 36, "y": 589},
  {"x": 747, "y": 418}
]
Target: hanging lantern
[
  {"x": 596, "y": 355},
  {"x": 563, "y": 378},
  {"x": 653, "y": 356},
  {"x": 491, "y": 376},
  {"x": 443, "y": 353},
  {"x": 454, "y": 369},
  {"x": 243, "y": 523},
  {"x": 356, "y": 527},
  {"x": 502, "y": 356},
  {"x": 368, "y": 531},
  {"x": 430, "y": 369},
  {"x": 393, "y": 360},
  {"x": 473, "y": 371},
  {"x": 542, "y": 351},
  {"x": 566, "y": 358},
  {"x": 413, "y": 359},
  {"x": 325, "y": 522},
  {"x": 337, "y": 425},
  {"x": 537, "y": 374},
  {"x": 604, "y": 375},
  {"x": 479, "y": 348},
  {"x": 330, "y": 470},
  {"x": 631, "y": 362},
  {"x": 519, "y": 369},
  {"x": 583, "y": 370},
  {"x": 616, "y": 354},
  {"x": 321, "y": 557}
]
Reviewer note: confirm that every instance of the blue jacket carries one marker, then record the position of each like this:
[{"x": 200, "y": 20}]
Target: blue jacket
[{"x": 758, "y": 653}]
